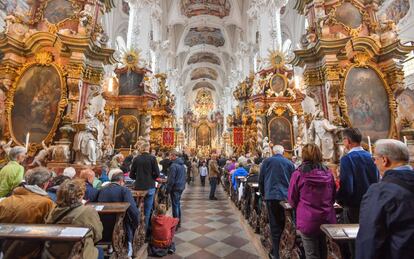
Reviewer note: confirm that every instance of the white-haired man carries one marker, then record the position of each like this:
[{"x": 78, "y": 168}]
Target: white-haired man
[
  {"x": 12, "y": 174},
  {"x": 274, "y": 180},
  {"x": 386, "y": 216}
]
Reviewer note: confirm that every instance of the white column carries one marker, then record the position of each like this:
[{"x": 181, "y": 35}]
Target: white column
[{"x": 139, "y": 28}]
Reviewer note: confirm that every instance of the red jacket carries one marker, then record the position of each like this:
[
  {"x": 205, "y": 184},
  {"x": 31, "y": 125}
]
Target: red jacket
[{"x": 163, "y": 230}]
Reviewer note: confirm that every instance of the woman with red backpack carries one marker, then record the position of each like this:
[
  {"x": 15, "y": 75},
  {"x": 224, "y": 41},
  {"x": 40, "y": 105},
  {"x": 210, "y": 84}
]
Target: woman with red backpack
[{"x": 312, "y": 193}]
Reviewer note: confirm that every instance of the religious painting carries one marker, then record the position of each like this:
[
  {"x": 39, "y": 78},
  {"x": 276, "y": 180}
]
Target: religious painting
[
  {"x": 14, "y": 6},
  {"x": 204, "y": 72},
  {"x": 130, "y": 83},
  {"x": 204, "y": 35},
  {"x": 204, "y": 57},
  {"x": 126, "y": 131},
  {"x": 406, "y": 106},
  {"x": 397, "y": 10},
  {"x": 219, "y": 8},
  {"x": 278, "y": 84},
  {"x": 203, "y": 136},
  {"x": 36, "y": 103},
  {"x": 281, "y": 133},
  {"x": 367, "y": 102},
  {"x": 57, "y": 11},
  {"x": 348, "y": 15}
]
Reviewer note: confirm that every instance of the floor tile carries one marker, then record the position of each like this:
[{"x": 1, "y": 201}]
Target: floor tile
[
  {"x": 235, "y": 241},
  {"x": 220, "y": 249},
  {"x": 203, "y": 242}
]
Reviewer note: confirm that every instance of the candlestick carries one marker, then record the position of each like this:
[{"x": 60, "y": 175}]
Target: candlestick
[
  {"x": 405, "y": 141},
  {"x": 130, "y": 149},
  {"x": 369, "y": 145},
  {"x": 27, "y": 140}
]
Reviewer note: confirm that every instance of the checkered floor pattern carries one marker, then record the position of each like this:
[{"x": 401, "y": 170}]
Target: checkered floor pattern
[{"x": 210, "y": 229}]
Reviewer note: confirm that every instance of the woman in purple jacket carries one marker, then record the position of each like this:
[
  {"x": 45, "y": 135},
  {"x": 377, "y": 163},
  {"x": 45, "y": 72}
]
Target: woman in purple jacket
[{"x": 312, "y": 194}]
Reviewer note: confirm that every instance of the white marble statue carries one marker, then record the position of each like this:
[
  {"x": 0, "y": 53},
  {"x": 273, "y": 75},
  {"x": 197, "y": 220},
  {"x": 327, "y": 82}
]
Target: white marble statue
[
  {"x": 86, "y": 146},
  {"x": 322, "y": 134},
  {"x": 266, "y": 147}
]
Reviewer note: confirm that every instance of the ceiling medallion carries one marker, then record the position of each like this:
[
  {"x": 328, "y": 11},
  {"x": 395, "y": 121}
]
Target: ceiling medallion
[
  {"x": 131, "y": 58},
  {"x": 276, "y": 59}
]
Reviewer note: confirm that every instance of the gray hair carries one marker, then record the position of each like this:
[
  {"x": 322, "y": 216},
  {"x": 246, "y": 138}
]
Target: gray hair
[
  {"x": 38, "y": 176},
  {"x": 394, "y": 150},
  {"x": 15, "y": 151},
  {"x": 278, "y": 150}
]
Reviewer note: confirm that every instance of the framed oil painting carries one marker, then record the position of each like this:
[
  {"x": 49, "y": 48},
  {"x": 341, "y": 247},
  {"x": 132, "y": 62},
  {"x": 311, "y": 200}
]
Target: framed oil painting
[
  {"x": 405, "y": 106},
  {"x": 130, "y": 83},
  {"x": 348, "y": 15},
  {"x": 126, "y": 131},
  {"x": 203, "y": 135},
  {"x": 367, "y": 102},
  {"x": 281, "y": 132},
  {"x": 278, "y": 84},
  {"x": 56, "y": 11},
  {"x": 36, "y": 103}
]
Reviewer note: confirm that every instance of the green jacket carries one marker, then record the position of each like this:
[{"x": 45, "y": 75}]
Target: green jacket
[{"x": 10, "y": 176}]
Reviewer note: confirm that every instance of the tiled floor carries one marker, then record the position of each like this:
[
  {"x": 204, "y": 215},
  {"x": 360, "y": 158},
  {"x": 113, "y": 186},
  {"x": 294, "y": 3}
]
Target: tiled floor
[{"x": 210, "y": 229}]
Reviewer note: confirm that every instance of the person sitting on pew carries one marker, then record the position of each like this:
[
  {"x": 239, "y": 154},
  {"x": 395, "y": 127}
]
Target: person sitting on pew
[
  {"x": 240, "y": 171},
  {"x": 386, "y": 225},
  {"x": 117, "y": 192},
  {"x": 70, "y": 210},
  {"x": 253, "y": 176},
  {"x": 69, "y": 172},
  {"x": 163, "y": 230},
  {"x": 12, "y": 174},
  {"x": 91, "y": 194},
  {"x": 312, "y": 193},
  {"x": 54, "y": 186},
  {"x": 28, "y": 204}
]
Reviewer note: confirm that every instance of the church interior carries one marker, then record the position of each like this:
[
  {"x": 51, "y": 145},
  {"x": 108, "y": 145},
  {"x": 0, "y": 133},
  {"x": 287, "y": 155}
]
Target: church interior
[{"x": 98, "y": 86}]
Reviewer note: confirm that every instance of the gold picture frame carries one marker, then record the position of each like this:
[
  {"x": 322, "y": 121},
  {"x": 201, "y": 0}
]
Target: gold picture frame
[
  {"x": 126, "y": 119},
  {"x": 43, "y": 62},
  {"x": 289, "y": 123},
  {"x": 392, "y": 104},
  {"x": 277, "y": 92}
]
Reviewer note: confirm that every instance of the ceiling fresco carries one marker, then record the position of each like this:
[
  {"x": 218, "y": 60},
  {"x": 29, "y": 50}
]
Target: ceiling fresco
[
  {"x": 204, "y": 35},
  {"x": 219, "y": 8},
  {"x": 204, "y": 72},
  {"x": 201, "y": 85},
  {"x": 204, "y": 57}
]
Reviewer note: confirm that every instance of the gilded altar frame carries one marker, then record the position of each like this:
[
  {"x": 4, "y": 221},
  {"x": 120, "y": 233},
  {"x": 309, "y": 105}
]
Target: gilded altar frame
[
  {"x": 392, "y": 104},
  {"x": 41, "y": 59},
  {"x": 292, "y": 142}
]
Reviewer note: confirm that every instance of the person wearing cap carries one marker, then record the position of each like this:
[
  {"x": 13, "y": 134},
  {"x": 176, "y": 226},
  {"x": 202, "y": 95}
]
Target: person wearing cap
[
  {"x": 115, "y": 191},
  {"x": 12, "y": 174},
  {"x": 28, "y": 204}
]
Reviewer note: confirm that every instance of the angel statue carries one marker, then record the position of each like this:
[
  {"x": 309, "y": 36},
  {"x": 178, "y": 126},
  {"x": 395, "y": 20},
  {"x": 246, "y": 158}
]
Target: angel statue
[
  {"x": 43, "y": 155},
  {"x": 322, "y": 134}
]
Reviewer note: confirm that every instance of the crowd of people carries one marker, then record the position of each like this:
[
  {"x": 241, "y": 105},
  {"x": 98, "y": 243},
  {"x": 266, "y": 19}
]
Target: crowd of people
[{"x": 374, "y": 190}]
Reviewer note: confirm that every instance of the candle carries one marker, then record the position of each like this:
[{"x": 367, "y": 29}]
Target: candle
[
  {"x": 130, "y": 149},
  {"x": 27, "y": 140},
  {"x": 369, "y": 145},
  {"x": 405, "y": 141}
]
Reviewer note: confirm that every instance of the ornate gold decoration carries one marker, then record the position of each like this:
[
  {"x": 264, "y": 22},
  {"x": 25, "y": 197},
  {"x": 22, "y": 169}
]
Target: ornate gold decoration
[
  {"x": 276, "y": 59},
  {"x": 131, "y": 58},
  {"x": 270, "y": 92},
  {"x": 42, "y": 59},
  {"x": 361, "y": 59}
]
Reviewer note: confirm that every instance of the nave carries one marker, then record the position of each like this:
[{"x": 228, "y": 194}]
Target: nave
[{"x": 211, "y": 229}]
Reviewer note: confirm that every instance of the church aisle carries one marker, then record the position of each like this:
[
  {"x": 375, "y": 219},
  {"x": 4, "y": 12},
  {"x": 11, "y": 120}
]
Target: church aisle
[{"x": 210, "y": 229}]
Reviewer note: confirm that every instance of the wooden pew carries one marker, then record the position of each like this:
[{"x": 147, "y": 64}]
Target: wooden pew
[
  {"x": 46, "y": 232},
  {"x": 265, "y": 227},
  {"x": 290, "y": 241},
  {"x": 338, "y": 234},
  {"x": 254, "y": 210},
  {"x": 139, "y": 235},
  {"x": 119, "y": 238}
]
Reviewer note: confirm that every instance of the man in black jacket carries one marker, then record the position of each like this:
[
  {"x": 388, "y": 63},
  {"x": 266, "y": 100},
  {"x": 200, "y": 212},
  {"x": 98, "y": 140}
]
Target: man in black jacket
[
  {"x": 145, "y": 171},
  {"x": 117, "y": 192},
  {"x": 386, "y": 217},
  {"x": 176, "y": 183}
]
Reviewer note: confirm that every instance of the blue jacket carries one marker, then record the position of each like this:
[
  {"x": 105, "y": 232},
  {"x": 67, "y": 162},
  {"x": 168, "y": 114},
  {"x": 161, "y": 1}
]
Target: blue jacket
[
  {"x": 357, "y": 173},
  {"x": 91, "y": 194},
  {"x": 177, "y": 176},
  {"x": 387, "y": 218},
  {"x": 274, "y": 178},
  {"x": 238, "y": 172},
  {"x": 117, "y": 193}
]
